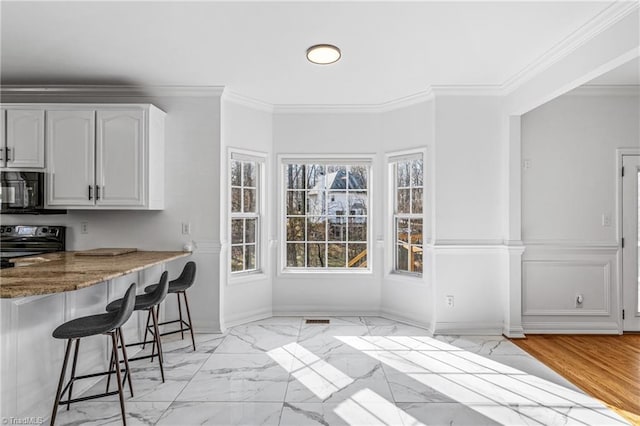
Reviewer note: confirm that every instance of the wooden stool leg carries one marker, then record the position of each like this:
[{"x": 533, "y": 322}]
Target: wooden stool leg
[
  {"x": 109, "y": 375},
  {"x": 180, "y": 316},
  {"x": 127, "y": 373},
  {"x": 73, "y": 372},
  {"x": 117, "y": 360},
  {"x": 60, "y": 383},
  {"x": 146, "y": 331},
  {"x": 157, "y": 341},
  {"x": 186, "y": 303},
  {"x": 153, "y": 346}
]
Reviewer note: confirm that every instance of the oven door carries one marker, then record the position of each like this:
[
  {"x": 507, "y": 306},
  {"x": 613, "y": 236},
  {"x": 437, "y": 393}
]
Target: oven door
[{"x": 21, "y": 191}]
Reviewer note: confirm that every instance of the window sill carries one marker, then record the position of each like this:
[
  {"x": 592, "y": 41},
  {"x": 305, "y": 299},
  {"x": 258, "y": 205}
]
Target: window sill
[
  {"x": 419, "y": 279},
  {"x": 246, "y": 277},
  {"x": 288, "y": 272}
]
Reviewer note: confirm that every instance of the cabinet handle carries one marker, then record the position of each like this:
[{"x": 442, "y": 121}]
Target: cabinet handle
[
  {"x": 90, "y": 192},
  {"x": 97, "y": 192},
  {"x": 2, "y": 154},
  {"x": 9, "y": 157}
]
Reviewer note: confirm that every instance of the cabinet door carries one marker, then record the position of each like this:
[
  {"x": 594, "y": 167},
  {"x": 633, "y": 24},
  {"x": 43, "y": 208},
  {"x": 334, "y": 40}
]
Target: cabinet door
[
  {"x": 3, "y": 137},
  {"x": 25, "y": 138},
  {"x": 71, "y": 158},
  {"x": 120, "y": 154}
]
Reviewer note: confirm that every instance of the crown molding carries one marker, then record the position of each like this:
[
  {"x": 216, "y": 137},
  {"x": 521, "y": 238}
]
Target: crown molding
[
  {"x": 468, "y": 90},
  {"x": 604, "y": 20},
  {"x": 605, "y": 90},
  {"x": 406, "y": 101},
  {"x": 237, "y": 98},
  {"x": 326, "y": 108},
  {"x": 107, "y": 90},
  {"x": 394, "y": 104}
]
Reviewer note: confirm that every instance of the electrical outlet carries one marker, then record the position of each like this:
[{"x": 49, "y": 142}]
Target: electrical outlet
[
  {"x": 526, "y": 164},
  {"x": 449, "y": 301},
  {"x": 186, "y": 228},
  {"x": 84, "y": 227},
  {"x": 606, "y": 219}
]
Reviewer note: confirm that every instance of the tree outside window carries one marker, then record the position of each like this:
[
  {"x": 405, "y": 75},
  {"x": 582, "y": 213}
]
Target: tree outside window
[
  {"x": 408, "y": 215},
  {"x": 245, "y": 219},
  {"x": 326, "y": 215}
]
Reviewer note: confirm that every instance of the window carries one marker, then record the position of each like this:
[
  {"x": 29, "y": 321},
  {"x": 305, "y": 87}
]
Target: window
[
  {"x": 408, "y": 217},
  {"x": 245, "y": 214},
  {"x": 326, "y": 216}
]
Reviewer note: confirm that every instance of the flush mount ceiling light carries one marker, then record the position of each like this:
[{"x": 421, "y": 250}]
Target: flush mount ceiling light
[{"x": 323, "y": 54}]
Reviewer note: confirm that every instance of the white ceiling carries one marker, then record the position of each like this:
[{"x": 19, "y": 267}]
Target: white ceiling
[{"x": 389, "y": 49}]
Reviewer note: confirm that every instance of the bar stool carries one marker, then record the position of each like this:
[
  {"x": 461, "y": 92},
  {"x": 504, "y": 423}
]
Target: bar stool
[
  {"x": 179, "y": 287},
  {"x": 93, "y": 325},
  {"x": 146, "y": 302}
]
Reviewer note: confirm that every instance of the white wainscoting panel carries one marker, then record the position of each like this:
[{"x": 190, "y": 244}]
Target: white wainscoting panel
[
  {"x": 550, "y": 287},
  {"x": 554, "y": 273}
]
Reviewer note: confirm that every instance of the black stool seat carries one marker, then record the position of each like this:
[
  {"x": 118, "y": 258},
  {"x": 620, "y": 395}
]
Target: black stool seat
[
  {"x": 93, "y": 325},
  {"x": 87, "y": 326},
  {"x": 182, "y": 283},
  {"x": 178, "y": 287},
  {"x": 143, "y": 302},
  {"x": 147, "y": 302}
]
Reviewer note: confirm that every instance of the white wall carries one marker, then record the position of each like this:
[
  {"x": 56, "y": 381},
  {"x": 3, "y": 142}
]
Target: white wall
[
  {"x": 246, "y": 297},
  {"x": 192, "y": 156},
  {"x": 404, "y": 297},
  {"x": 571, "y": 145},
  {"x": 309, "y": 132},
  {"x": 468, "y": 252},
  {"x": 468, "y": 168}
]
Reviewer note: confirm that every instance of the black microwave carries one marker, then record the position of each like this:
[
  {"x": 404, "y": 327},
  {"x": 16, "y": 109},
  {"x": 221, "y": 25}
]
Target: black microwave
[{"x": 23, "y": 193}]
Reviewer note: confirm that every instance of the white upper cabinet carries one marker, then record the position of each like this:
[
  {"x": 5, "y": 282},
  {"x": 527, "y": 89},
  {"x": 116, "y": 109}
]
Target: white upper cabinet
[
  {"x": 23, "y": 145},
  {"x": 105, "y": 157},
  {"x": 120, "y": 158},
  {"x": 70, "y": 158}
]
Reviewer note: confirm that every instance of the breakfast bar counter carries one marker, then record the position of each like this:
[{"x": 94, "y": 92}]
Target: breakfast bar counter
[
  {"x": 67, "y": 271},
  {"x": 43, "y": 291}
]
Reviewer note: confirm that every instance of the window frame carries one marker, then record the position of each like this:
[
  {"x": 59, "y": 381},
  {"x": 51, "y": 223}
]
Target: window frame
[
  {"x": 392, "y": 163},
  {"x": 260, "y": 160},
  {"x": 366, "y": 160}
]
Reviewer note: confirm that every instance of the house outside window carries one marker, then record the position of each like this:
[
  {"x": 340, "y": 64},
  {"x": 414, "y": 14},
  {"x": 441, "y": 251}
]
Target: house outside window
[
  {"x": 326, "y": 214},
  {"x": 245, "y": 175},
  {"x": 408, "y": 175}
]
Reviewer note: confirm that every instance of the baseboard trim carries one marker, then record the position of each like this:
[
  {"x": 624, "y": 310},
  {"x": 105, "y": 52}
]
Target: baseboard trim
[
  {"x": 396, "y": 316},
  {"x": 608, "y": 327},
  {"x": 246, "y": 317},
  {"x": 320, "y": 312},
  {"x": 468, "y": 328},
  {"x": 207, "y": 328},
  {"x": 514, "y": 332}
]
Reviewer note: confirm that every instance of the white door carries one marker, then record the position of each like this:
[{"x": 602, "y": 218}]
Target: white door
[
  {"x": 25, "y": 138},
  {"x": 630, "y": 233},
  {"x": 120, "y": 158},
  {"x": 71, "y": 158}
]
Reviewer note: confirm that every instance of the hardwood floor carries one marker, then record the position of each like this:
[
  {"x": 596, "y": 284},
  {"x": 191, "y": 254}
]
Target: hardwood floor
[{"x": 605, "y": 367}]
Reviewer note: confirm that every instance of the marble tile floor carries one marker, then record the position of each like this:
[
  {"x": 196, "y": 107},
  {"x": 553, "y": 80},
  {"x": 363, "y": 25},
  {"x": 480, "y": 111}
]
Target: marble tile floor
[{"x": 354, "y": 371}]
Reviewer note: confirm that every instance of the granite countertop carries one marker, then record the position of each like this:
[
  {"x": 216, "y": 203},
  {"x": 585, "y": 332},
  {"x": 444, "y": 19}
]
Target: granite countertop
[{"x": 65, "y": 271}]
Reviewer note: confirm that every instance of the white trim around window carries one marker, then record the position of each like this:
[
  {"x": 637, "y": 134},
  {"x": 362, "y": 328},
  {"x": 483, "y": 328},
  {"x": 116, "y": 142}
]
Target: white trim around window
[
  {"x": 407, "y": 225},
  {"x": 246, "y": 201},
  {"x": 348, "y": 229}
]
